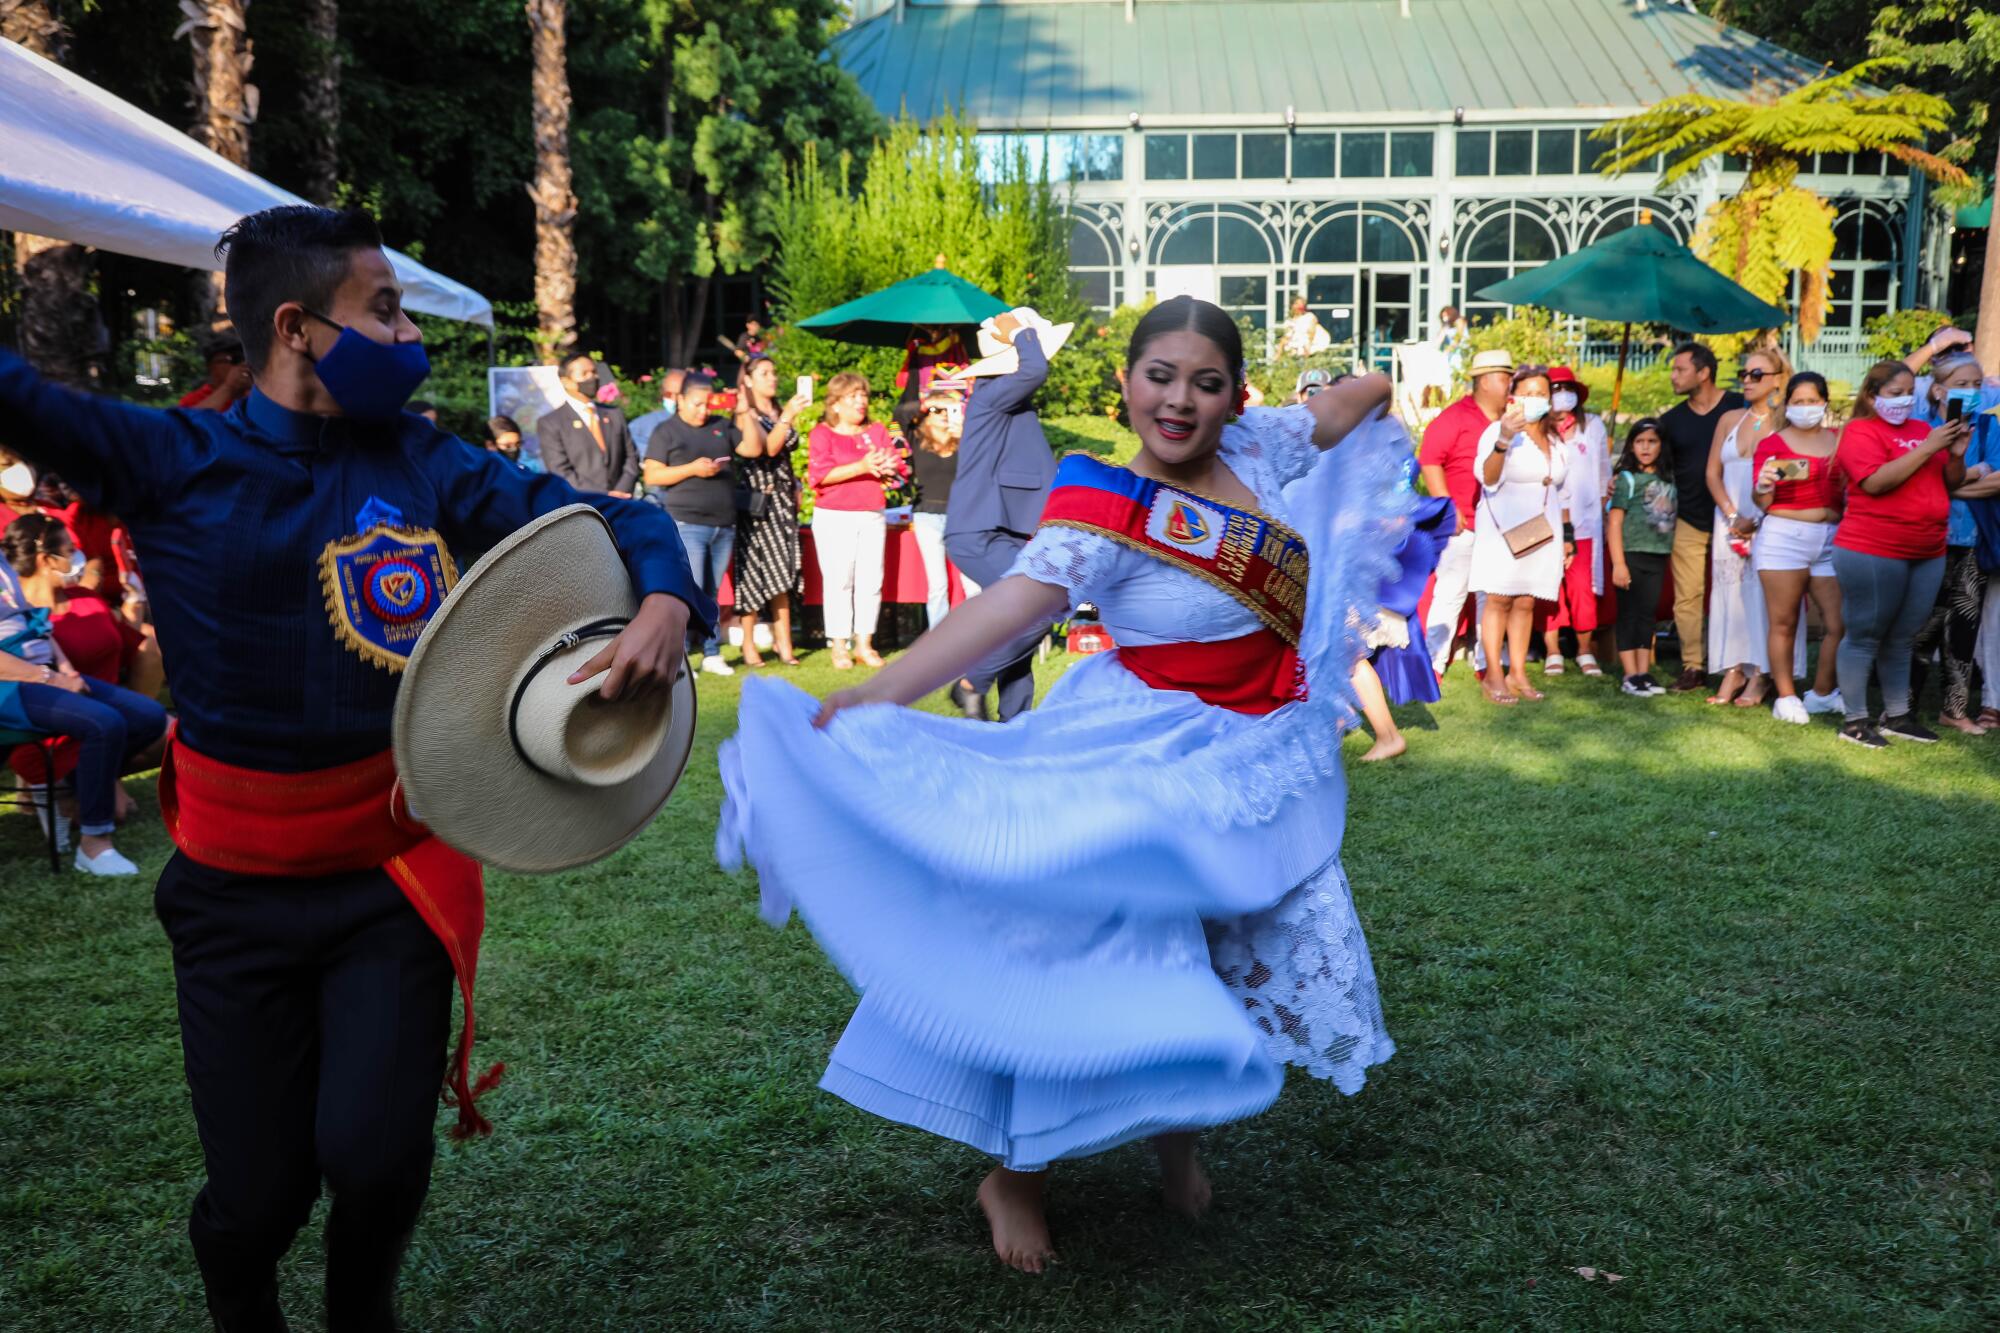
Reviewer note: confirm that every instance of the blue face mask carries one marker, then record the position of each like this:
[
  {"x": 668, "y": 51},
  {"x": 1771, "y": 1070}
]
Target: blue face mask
[
  {"x": 371, "y": 381},
  {"x": 1969, "y": 397}
]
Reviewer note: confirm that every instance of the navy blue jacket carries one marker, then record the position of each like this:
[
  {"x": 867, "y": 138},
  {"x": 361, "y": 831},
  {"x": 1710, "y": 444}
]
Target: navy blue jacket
[
  {"x": 1004, "y": 462},
  {"x": 230, "y": 513}
]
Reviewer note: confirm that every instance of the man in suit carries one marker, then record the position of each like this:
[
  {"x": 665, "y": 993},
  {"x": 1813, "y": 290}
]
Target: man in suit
[
  {"x": 1005, "y": 467},
  {"x": 585, "y": 442}
]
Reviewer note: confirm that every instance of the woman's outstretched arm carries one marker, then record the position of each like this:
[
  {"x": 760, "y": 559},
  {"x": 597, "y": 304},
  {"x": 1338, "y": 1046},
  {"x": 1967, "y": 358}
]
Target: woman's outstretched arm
[
  {"x": 975, "y": 629},
  {"x": 1339, "y": 408}
]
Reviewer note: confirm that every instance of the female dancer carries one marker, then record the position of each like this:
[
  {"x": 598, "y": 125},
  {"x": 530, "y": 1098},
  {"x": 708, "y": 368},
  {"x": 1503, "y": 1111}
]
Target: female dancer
[{"x": 1119, "y": 915}]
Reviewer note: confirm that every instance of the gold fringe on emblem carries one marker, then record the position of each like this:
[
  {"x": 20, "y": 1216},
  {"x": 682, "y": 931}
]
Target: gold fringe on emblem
[{"x": 336, "y": 606}]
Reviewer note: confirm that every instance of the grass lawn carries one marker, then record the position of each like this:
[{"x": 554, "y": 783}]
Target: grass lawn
[{"x": 1681, "y": 994}]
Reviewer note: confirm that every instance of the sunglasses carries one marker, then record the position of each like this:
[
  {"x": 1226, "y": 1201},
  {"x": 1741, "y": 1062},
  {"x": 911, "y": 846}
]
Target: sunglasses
[{"x": 1752, "y": 376}]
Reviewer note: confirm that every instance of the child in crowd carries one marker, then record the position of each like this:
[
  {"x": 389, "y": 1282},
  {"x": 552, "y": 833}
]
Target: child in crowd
[{"x": 1639, "y": 530}]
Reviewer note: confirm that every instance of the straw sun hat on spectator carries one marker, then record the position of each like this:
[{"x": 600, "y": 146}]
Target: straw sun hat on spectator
[
  {"x": 1497, "y": 358},
  {"x": 498, "y": 753}
]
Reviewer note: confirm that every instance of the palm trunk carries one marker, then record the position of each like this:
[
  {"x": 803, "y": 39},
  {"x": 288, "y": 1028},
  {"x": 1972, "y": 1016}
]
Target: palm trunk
[
  {"x": 59, "y": 322},
  {"x": 1986, "y": 338},
  {"x": 225, "y": 103},
  {"x": 319, "y": 101},
  {"x": 552, "y": 192}
]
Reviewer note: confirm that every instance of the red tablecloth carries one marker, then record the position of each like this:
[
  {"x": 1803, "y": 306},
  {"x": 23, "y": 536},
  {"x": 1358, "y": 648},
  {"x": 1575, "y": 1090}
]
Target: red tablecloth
[{"x": 902, "y": 572}]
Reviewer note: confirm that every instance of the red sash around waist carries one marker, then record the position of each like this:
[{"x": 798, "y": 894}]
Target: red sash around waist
[
  {"x": 334, "y": 821},
  {"x": 1257, "y": 673}
]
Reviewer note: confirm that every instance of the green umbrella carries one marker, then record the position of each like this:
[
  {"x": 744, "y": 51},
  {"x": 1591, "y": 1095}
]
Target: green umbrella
[
  {"x": 938, "y": 299},
  {"x": 1640, "y": 275}
]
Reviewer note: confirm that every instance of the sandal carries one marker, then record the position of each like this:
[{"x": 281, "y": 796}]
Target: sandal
[
  {"x": 1588, "y": 665},
  {"x": 1960, "y": 722},
  {"x": 1988, "y": 718},
  {"x": 1753, "y": 692},
  {"x": 1553, "y": 665},
  {"x": 1725, "y": 692},
  {"x": 841, "y": 660},
  {"x": 1499, "y": 696},
  {"x": 868, "y": 657},
  {"x": 1530, "y": 693}
]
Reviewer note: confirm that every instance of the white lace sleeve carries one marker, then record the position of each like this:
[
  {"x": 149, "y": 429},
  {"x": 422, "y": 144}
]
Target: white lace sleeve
[
  {"x": 1281, "y": 438},
  {"x": 1083, "y": 562}
]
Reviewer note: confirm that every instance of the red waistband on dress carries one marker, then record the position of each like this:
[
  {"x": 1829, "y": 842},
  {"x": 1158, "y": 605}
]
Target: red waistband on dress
[
  {"x": 1257, "y": 673},
  {"x": 332, "y": 821}
]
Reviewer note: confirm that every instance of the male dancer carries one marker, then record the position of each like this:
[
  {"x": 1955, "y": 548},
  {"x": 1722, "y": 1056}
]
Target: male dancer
[
  {"x": 295, "y": 546},
  {"x": 1005, "y": 469}
]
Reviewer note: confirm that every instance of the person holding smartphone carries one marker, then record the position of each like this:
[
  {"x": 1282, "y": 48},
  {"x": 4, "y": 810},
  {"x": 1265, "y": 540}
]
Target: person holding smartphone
[
  {"x": 1960, "y": 394},
  {"x": 1521, "y": 545},
  {"x": 1793, "y": 551},
  {"x": 1888, "y": 552}
]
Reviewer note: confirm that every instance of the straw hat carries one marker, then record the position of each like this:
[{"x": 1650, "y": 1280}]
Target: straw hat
[
  {"x": 1000, "y": 358},
  {"x": 1497, "y": 358},
  {"x": 498, "y": 753}
]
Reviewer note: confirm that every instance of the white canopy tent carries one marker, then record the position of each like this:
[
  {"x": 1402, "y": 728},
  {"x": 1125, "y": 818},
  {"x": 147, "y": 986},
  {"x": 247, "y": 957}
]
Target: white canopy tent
[{"x": 80, "y": 165}]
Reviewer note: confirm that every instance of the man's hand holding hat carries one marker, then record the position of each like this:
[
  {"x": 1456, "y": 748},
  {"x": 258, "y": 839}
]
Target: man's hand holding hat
[{"x": 647, "y": 656}]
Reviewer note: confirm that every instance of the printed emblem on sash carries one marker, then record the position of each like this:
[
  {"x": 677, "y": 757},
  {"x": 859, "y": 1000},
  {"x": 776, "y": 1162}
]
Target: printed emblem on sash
[
  {"x": 381, "y": 588},
  {"x": 1179, "y": 522}
]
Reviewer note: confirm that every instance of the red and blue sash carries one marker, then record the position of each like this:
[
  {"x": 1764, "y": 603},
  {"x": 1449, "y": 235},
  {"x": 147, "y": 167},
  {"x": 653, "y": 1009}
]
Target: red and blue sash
[{"x": 1258, "y": 561}]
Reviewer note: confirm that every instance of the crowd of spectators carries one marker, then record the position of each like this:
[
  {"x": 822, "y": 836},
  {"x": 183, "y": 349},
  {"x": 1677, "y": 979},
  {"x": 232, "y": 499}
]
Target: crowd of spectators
[{"x": 1738, "y": 515}]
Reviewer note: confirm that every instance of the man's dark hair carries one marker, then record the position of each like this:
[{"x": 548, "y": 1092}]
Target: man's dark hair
[
  {"x": 575, "y": 357},
  {"x": 295, "y": 252},
  {"x": 1699, "y": 354},
  {"x": 696, "y": 380},
  {"x": 498, "y": 426}
]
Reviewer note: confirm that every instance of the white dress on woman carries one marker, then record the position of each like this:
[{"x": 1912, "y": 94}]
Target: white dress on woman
[
  {"x": 1123, "y": 912},
  {"x": 1738, "y": 626},
  {"x": 1530, "y": 483}
]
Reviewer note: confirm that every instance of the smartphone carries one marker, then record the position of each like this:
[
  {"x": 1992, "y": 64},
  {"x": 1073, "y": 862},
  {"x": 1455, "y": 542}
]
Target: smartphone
[
  {"x": 1793, "y": 469},
  {"x": 1954, "y": 409},
  {"x": 804, "y": 388}
]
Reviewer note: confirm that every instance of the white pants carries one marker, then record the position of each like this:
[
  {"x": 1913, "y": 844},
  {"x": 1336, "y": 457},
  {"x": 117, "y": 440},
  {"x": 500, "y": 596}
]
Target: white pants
[
  {"x": 928, "y": 529},
  {"x": 849, "y": 544},
  {"x": 1448, "y": 594},
  {"x": 1987, "y": 650}
]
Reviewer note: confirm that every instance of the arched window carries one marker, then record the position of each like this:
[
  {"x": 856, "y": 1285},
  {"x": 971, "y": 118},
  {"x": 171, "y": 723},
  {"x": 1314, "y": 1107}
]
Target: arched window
[
  {"x": 1864, "y": 275},
  {"x": 1619, "y": 214},
  {"x": 1496, "y": 243},
  {"x": 1094, "y": 259},
  {"x": 1232, "y": 240}
]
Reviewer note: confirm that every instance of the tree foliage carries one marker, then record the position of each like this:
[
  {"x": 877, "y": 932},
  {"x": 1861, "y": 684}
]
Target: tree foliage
[
  {"x": 1773, "y": 226},
  {"x": 921, "y": 193}
]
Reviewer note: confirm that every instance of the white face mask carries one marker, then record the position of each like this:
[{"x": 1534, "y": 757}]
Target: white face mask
[
  {"x": 1895, "y": 410},
  {"x": 1535, "y": 408},
  {"x": 75, "y": 572},
  {"x": 1806, "y": 416},
  {"x": 17, "y": 479},
  {"x": 1564, "y": 401}
]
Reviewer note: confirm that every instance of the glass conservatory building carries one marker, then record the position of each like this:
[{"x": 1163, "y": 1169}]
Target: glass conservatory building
[{"x": 1380, "y": 158}]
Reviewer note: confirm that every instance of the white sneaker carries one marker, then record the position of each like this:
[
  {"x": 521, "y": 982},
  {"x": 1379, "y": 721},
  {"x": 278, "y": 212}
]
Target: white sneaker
[
  {"x": 1789, "y": 708},
  {"x": 107, "y": 862},
  {"x": 713, "y": 665},
  {"x": 1824, "y": 703}
]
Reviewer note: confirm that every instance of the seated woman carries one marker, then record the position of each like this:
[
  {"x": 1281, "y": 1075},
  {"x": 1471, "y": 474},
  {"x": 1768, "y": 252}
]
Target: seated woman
[{"x": 41, "y": 691}]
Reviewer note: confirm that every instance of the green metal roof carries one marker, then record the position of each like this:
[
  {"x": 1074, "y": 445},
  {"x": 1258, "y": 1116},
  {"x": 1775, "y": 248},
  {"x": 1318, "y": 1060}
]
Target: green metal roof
[{"x": 1033, "y": 64}]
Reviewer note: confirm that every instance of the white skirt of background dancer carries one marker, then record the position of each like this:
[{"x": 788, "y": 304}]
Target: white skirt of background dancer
[{"x": 1124, "y": 912}]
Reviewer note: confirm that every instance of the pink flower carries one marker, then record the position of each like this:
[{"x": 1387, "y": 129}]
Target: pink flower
[
  {"x": 608, "y": 393},
  {"x": 645, "y": 379}
]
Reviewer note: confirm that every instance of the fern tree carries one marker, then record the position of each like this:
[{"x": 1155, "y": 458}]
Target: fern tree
[{"x": 1773, "y": 226}]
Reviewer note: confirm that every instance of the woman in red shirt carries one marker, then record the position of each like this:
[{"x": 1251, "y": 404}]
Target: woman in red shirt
[
  {"x": 848, "y": 458},
  {"x": 1888, "y": 552},
  {"x": 1793, "y": 552}
]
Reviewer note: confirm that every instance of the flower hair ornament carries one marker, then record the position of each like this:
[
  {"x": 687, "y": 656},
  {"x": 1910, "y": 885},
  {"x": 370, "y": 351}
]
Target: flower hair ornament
[{"x": 1242, "y": 397}]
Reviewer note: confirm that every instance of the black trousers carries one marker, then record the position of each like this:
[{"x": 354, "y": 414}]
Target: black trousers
[
  {"x": 314, "y": 1017},
  {"x": 985, "y": 557},
  {"x": 1639, "y": 605}
]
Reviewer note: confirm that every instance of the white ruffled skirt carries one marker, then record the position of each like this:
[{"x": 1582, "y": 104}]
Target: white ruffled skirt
[{"x": 1120, "y": 914}]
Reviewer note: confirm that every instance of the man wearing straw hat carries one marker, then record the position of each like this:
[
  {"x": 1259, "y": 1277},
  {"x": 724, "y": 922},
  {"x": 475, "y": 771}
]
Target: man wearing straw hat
[{"x": 297, "y": 546}]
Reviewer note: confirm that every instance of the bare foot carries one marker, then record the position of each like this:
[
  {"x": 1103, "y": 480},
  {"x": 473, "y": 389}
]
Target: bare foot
[
  {"x": 1012, "y": 1202},
  {"x": 1183, "y": 1183},
  {"x": 1385, "y": 747},
  {"x": 125, "y": 807}
]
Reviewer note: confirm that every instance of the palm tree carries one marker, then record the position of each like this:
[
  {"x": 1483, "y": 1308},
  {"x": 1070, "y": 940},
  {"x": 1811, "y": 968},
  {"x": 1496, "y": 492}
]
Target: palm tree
[
  {"x": 1773, "y": 227},
  {"x": 225, "y": 101},
  {"x": 319, "y": 101},
  {"x": 59, "y": 323},
  {"x": 555, "y": 200}
]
